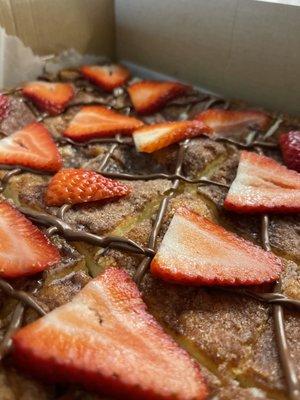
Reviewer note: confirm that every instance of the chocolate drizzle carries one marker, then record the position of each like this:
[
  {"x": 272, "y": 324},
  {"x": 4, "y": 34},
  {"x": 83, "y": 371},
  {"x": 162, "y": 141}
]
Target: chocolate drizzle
[
  {"x": 270, "y": 132},
  {"x": 22, "y": 296},
  {"x": 5, "y": 179},
  {"x": 19, "y": 169},
  {"x": 287, "y": 363},
  {"x": 25, "y": 299},
  {"x": 106, "y": 158},
  {"x": 58, "y": 225},
  {"x": 289, "y": 369},
  {"x": 10, "y": 92},
  {"x": 269, "y": 298},
  {"x": 62, "y": 211},
  {"x": 43, "y": 116},
  {"x": 73, "y": 234},
  {"x": 176, "y": 176},
  {"x": 142, "y": 268},
  {"x": 15, "y": 324},
  {"x": 116, "y": 139},
  {"x": 246, "y": 146}
]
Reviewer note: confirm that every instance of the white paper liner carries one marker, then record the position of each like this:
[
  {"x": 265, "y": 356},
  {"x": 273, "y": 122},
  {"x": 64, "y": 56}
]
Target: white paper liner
[
  {"x": 18, "y": 63},
  {"x": 71, "y": 58}
]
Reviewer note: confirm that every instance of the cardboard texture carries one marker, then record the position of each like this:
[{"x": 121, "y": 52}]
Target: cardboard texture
[
  {"x": 238, "y": 48},
  {"x": 51, "y": 26}
]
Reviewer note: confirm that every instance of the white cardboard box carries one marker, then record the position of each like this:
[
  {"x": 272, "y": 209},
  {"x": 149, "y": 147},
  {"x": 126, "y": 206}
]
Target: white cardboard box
[{"x": 243, "y": 49}]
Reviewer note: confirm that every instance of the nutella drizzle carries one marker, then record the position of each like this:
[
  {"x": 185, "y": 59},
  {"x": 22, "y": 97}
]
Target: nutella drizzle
[
  {"x": 51, "y": 231},
  {"x": 73, "y": 234},
  {"x": 268, "y": 298},
  {"x": 22, "y": 296},
  {"x": 286, "y": 361},
  {"x": 107, "y": 156},
  {"x": 119, "y": 140},
  {"x": 142, "y": 268},
  {"x": 17, "y": 318},
  {"x": 62, "y": 211},
  {"x": 5, "y": 179},
  {"x": 247, "y": 146},
  {"x": 58, "y": 225},
  {"x": 21, "y": 169},
  {"x": 289, "y": 369},
  {"x": 190, "y": 101},
  {"x": 15, "y": 324},
  {"x": 12, "y": 91},
  {"x": 176, "y": 177}
]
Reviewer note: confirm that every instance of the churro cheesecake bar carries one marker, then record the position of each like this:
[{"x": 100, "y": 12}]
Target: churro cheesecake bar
[{"x": 149, "y": 242}]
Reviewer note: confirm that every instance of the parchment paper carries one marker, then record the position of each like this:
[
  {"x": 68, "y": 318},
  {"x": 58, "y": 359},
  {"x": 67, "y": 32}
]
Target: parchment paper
[{"x": 18, "y": 63}]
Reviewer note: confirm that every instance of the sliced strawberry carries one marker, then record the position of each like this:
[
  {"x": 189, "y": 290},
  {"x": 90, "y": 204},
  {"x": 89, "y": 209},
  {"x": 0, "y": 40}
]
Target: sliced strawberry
[
  {"x": 196, "y": 251},
  {"x": 96, "y": 121},
  {"x": 263, "y": 185},
  {"x": 31, "y": 147},
  {"x": 290, "y": 148},
  {"x": 24, "y": 250},
  {"x": 73, "y": 186},
  {"x": 107, "y": 77},
  {"x": 150, "y": 96},
  {"x": 233, "y": 122},
  {"x": 4, "y": 106},
  {"x": 47, "y": 96},
  {"x": 154, "y": 137},
  {"x": 106, "y": 340}
]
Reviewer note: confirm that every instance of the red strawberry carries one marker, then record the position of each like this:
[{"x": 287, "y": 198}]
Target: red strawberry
[
  {"x": 150, "y": 96},
  {"x": 47, "y": 96},
  {"x": 106, "y": 340},
  {"x": 231, "y": 122},
  {"x": 31, "y": 147},
  {"x": 290, "y": 148},
  {"x": 73, "y": 186},
  {"x": 107, "y": 77},
  {"x": 4, "y": 105},
  {"x": 263, "y": 185},
  {"x": 24, "y": 250},
  {"x": 196, "y": 251},
  {"x": 96, "y": 121},
  {"x": 154, "y": 137}
]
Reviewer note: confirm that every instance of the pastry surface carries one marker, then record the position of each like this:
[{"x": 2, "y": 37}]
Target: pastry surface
[{"x": 232, "y": 336}]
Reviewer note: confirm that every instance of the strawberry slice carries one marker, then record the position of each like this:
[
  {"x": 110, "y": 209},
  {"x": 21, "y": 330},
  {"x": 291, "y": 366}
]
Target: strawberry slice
[
  {"x": 154, "y": 137},
  {"x": 263, "y": 185},
  {"x": 196, "y": 251},
  {"x": 106, "y": 340},
  {"x": 49, "y": 97},
  {"x": 290, "y": 148},
  {"x": 73, "y": 186},
  {"x": 96, "y": 121},
  {"x": 4, "y": 106},
  {"x": 31, "y": 147},
  {"x": 24, "y": 249},
  {"x": 150, "y": 96},
  {"x": 107, "y": 77},
  {"x": 233, "y": 122}
]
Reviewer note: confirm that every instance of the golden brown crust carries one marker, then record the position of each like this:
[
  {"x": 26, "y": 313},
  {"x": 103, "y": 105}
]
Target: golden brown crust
[{"x": 230, "y": 335}]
